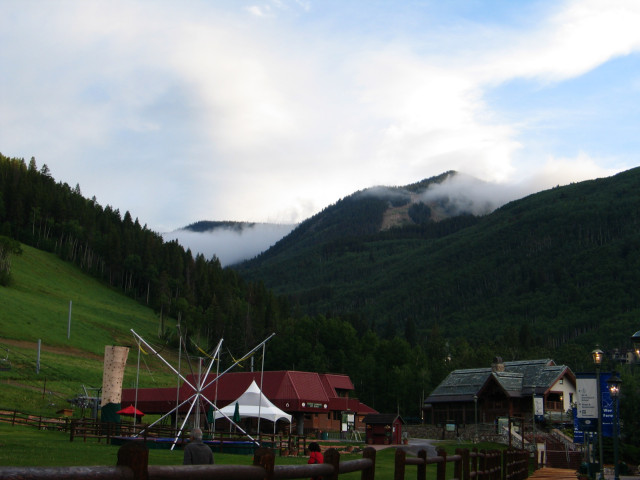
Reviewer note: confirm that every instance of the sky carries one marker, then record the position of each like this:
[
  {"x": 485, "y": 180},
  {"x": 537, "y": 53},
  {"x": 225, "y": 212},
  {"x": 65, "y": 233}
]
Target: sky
[{"x": 271, "y": 110}]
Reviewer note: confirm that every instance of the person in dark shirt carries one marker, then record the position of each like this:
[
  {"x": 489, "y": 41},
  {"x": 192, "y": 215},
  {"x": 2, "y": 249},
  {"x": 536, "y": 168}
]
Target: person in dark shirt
[{"x": 196, "y": 452}]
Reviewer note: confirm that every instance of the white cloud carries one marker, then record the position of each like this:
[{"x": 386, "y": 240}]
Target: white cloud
[
  {"x": 580, "y": 36},
  {"x": 273, "y": 110},
  {"x": 231, "y": 246},
  {"x": 469, "y": 194}
]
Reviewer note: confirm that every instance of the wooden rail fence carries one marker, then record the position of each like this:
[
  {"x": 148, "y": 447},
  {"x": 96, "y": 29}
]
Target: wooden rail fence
[
  {"x": 42, "y": 423},
  {"x": 85, "y": 428},
  {"x": 510, "y": 464},
  {"x": 133, "y": 464}
]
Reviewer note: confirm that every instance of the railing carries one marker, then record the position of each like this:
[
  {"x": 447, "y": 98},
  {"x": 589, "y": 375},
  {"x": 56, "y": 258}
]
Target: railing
[
  {"x": 566, "y": 441},
  {"x": 42, "y": 423},
  {"x": 467, "y": 465},
  {"x": 133, "y": 464},
  {"x": 87, "y": 428}
]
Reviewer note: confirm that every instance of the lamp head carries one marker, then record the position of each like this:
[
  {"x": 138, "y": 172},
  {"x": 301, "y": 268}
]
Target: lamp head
[
  {"x": 635, "y": 340},
  {"x": 597, "y": 355},
  {"x": 614, "y": 384}
]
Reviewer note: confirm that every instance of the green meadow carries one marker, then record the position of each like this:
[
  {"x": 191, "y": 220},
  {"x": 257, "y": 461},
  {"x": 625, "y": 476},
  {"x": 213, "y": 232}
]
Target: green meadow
[
  {"x": 36, "y": 307},
  {"x": 27, "y": 446}
]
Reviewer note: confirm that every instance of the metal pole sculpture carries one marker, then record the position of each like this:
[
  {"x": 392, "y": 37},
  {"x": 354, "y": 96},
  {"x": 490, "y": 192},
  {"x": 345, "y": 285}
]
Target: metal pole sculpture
[{"x": 198, "y": 389}]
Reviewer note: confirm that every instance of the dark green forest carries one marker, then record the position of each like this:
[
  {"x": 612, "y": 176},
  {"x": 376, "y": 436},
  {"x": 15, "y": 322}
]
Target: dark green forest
[
  {"x": 558, "y": 271},
  {"x": 547, "y": 276},
  {"x": 211, "y": 302}
]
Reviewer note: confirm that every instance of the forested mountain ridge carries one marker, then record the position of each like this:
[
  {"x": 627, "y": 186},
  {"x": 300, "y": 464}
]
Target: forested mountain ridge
[
  {"x": 554, "y": 269},
  {"x": 397, "y": 309},
  {"x": 210, "y": 302},
  {"x": 359, "y": 215}
]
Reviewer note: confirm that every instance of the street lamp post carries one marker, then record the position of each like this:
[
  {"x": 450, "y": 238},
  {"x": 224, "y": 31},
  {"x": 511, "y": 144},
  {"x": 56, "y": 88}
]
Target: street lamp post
[
  {"x": 475, "y": 401},
  {"x": 635, "y": 340},
  {"x": 614, "y": 384},
  {"x": 597, "y": 359}
]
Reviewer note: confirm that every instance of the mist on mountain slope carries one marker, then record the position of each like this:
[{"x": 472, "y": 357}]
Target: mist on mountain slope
[
  {"x": 458, "y": 193},
  {"x": 231, "y": 245},
  {"x": 466, "y": 194}
]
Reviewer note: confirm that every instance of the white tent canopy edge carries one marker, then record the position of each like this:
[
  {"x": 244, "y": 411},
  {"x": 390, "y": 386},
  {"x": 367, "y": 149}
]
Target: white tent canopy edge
[{"x": 253, "y": 403}]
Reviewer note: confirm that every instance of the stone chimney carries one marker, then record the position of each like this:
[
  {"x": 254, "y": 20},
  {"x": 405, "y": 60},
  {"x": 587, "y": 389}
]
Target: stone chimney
[{"x": 497, "y": 365}]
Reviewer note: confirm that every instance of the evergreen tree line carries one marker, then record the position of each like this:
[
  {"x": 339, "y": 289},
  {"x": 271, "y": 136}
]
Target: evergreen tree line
[
  {"x": 211, "y": 302},
  {"x": 394, "y": 365}
]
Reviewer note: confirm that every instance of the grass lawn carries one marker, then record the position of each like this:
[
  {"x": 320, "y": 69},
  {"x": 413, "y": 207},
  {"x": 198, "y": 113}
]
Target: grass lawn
[
  {"x": 27, "y": 446},
  {"x": 36, "y": 307}
]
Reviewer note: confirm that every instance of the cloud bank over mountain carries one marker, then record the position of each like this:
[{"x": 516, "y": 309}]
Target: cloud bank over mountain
[
  {"x": 270, "y": 110},
  {"x": 231, "y": 245}
]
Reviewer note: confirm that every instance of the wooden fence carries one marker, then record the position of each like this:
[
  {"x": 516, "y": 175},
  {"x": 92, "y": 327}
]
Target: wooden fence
[
  {"x": 509, "y": 464},
  {"x": 133, "y": 459},
  {"x": 86, "y": 428},
  {"x": 42, "y": 423}
]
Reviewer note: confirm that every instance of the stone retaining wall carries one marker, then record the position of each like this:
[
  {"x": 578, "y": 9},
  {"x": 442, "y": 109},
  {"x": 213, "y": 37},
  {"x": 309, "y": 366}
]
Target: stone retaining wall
[{"x": 463, "y": 433}]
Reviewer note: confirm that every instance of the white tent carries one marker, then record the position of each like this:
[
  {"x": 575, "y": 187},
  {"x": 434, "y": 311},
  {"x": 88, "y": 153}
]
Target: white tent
[{"x": 253, "y": 403}]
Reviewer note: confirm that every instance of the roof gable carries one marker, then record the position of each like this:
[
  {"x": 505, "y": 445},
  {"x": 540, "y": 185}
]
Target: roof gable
[
  {"x": 286, "y": 389},
  {"x": 332, "y": 383},
  {"x": 518, "y": 378},
  {"x": 306, "y": 386}
]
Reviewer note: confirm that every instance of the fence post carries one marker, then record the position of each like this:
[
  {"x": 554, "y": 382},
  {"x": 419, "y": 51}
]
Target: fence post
[
  {"x": 332, "y": 457},
  {"x": 264, "y": 457},
  {"x": 135, "y": 455},
  {"x": 505, "y": 464},
  {"x": 497, "y": 475},
  {"x": 441, "y": 469},
  {"x": 474, "y": 462},
  {"x": 457, "y": 465},
  {"x": 482, "y": 465},
  {"x": 399, "y": 467},
  {"x": 422, "y": 468},
  {"x": 465, "y": 464},
  {"x": 369, "y": 473}
]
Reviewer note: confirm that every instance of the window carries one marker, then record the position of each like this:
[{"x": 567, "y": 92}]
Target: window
[{"x": 561, "y": 381}]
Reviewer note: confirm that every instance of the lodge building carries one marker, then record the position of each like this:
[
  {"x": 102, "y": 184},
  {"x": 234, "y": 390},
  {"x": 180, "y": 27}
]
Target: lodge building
[
  {"x": 507, "y": 389},
  {"x": 316, "y": 401}
]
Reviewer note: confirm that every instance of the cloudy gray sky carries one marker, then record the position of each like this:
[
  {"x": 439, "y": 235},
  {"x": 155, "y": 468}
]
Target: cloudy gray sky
[{"x": 270, "y": 110}]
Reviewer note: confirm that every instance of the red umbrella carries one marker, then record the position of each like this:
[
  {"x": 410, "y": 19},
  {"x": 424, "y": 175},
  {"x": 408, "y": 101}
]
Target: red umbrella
[{"x": 130, "y": 411}]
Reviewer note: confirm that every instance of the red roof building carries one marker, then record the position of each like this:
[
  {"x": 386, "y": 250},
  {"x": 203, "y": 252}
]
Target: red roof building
[{"x": 317, "y": 401}]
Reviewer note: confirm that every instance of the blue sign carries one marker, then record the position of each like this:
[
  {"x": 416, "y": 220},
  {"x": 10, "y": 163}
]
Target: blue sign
[{"x": 583, "y": 424}]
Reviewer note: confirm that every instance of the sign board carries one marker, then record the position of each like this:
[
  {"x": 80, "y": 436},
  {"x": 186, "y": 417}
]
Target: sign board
[
  {"x": 538, "y": 403},
  {"x": 587, "y": 396},
  {"x": 586, "y": 410}
]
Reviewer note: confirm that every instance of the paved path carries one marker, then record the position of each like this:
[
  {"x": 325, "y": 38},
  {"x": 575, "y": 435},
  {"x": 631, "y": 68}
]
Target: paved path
[
  {"x": 417, "y": 444},
  {"x": 548, "y": 473}
]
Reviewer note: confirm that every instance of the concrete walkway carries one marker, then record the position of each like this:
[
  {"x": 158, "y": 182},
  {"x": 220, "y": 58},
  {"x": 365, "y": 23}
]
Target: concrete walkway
[{"x": 417, "y": 444}]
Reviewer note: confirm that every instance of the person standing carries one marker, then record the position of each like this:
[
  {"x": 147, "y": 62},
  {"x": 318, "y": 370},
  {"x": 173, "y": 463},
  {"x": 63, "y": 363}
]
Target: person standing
[
  {"x": 315, "y": 456},
  {"x": 196, "y": 452}
]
